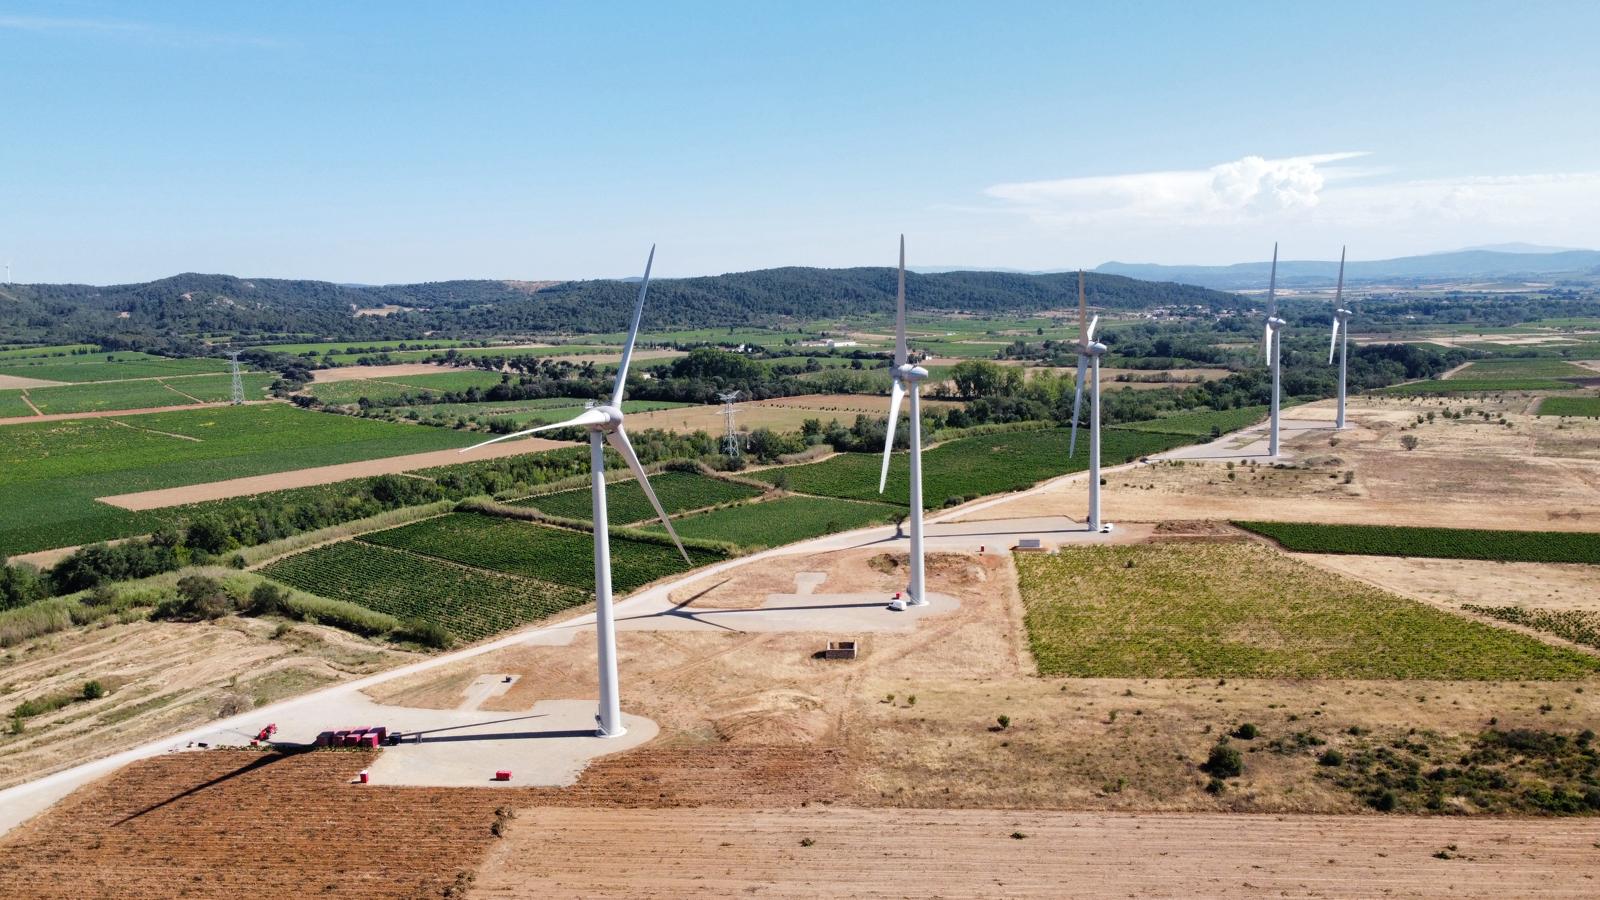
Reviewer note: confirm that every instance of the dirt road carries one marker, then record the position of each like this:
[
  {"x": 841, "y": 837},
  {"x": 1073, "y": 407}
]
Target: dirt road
[
  {"x": 821, "y": 852},
  {"x": 118, "y": 413}
]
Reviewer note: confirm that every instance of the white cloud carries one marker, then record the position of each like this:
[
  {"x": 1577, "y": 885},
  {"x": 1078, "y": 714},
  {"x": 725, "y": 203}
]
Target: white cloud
[
  {"x": 1244, "y": 188},
  {"x": 164, "y": 34},
  {"x": 1220, "y": 213}
]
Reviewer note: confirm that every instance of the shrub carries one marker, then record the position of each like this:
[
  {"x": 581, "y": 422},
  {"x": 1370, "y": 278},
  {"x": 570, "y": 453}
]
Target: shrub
[
  {"x": 267, "y": 599},
  {"x": 1224, "y": 762},
  {"x": 1385, "y": 801},
  {"x": 1003, "y": 721},
  {"x": 93, "y": 690},
  {"x": 428, "y": 634},
  {"x": 1409, "y": 441},
  {"x": 1331, "y": 757},
  {"x": 1246, "y": 732}
]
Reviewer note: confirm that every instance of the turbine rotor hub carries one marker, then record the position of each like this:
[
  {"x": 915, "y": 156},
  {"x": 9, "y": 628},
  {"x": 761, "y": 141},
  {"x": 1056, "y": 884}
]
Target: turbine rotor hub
[
  {"x": 613, "y": 418},
  {"x": 911, "y": 373}
]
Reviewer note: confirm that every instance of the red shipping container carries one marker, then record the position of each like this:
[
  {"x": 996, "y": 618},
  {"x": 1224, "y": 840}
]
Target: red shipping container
[{"x": 369, "y": 740}]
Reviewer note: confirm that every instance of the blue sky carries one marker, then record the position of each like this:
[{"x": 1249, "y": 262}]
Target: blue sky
[{"x": 399, "y": 142}]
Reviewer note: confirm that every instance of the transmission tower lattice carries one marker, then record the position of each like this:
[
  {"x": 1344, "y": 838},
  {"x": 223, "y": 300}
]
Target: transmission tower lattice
[
  {"x": 730, "y": 437},
  {"x": 238, "y": 379}
]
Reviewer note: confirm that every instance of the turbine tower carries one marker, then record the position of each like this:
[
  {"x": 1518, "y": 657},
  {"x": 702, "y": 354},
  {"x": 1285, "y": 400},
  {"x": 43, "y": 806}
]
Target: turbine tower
[
  {"x": 1272, "y": 346},
  {"x": 238, "y": 380},
  {"x": 605, "y": 427},
  {"x": 1341, "y": 329},
  {"x": 1089, "y": 353},
  {"x": 730, "y": 438},
  {"x": 906, "y": 380}
]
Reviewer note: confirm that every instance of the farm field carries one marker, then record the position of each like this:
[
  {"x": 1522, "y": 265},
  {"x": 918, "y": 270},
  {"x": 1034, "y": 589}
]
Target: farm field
[
  {"x": 145, "y": 393},
  {"x": 1588, "y": 407},
  {"x": 51, "y": 472},
  {"x": 12, "y": 405},
  {"x": 110, "y": 367},
  {"x": 342, "y": 392},
  {"x": 469, "y": 603},
  {"x": 1200, "y": 424},
  {"x": 966, "y": 467},
  {"x": 627, "y": 504},
  {"x": 529, "y": 550},
  {"x": 14, "y": 353},
  {"x": 1184, "y": 611},
  {"x": 1521, "y": 369},
  {"x": 781, "y": 414},
  {"x": 1460, "y": 385},
  {"x": 528, "y": 413},
  {"x": 773, "y": 523},
  {"x": 338, "y": 348},
  {"x": 1444, "y": 543}
]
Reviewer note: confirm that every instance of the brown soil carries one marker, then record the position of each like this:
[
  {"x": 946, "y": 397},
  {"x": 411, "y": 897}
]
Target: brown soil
[
  {"x": 1466, "y": 473},
  {"x": 785, "y": 413},
  {"x": 258, "y": 484},
  {"x": 12, "y": 382},
  {"x": 1452, "y": 582},
  {"x": 362, "y": 373},
  {"x": 162, "y": 678},
  {"x": 888, "y": 853}
]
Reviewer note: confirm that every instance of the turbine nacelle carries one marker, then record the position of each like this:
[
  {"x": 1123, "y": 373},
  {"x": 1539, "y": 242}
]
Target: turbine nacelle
[{"x": 909, "y": 373}]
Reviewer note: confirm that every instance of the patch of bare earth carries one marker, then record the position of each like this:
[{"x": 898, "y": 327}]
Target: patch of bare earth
[
  {"x": 161, "y": 678},
  {"x": 819, "y": 852},
  {"x": 1453, "y": 582},
  {"x": 1465, "y": 473}
]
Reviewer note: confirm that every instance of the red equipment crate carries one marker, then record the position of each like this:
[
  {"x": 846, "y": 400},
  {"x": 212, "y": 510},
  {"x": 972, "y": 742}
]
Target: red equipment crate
[
  {"x": 370, "y": 739},
  {"x": 502, "y": 775}
]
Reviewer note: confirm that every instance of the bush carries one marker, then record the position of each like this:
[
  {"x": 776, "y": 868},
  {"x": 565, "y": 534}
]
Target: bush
[
  {"x": 93, "y": 690},
  {"x": 1409, "y": 441},
  {"x": 199, "y": 597},
  {"x": 1246, "y": 732},
  {"x": 1003, "y": 721},
  {"x": 1331, "y": 757},
  {"x": 1385, "y": 801},
  {"x": 267, "y": 599},
  {"x": 428, "y": 634},
  {"x": 1224, "y": 762}
]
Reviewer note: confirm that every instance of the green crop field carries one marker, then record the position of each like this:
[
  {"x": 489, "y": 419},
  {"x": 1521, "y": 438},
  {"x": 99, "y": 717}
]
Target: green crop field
[
  {"x": 1522, "y": 368},
  {"x": 1245, "y": 610},
  {"x": 1570, "y": 406},
  {"x": 1199, "y": 424},
  {"x": 967, "y": 467},
  {"x": 1477, "y": 386},
  {"x": 341, "y": 392},
  {"x": 110, "y": 367},
  {"x": 1441, "y": 543},
  {"x": 626, "y": 503},
  {"x": 145, "y": 393},
  {"x": 11, "y": 404},
  {"x": 557, "y": 555},
  {"x": 559, "y": 350},
  {"x": 51, "y": 472},
  {"x": 349, "y": 347},
  {"x": 773, "y": 523},
  {"x": 472, "y": 604},
  {"x": 14, "y": 353},
  {"x": 960, "y": 349},
  {"x": 528, "y": 413}
]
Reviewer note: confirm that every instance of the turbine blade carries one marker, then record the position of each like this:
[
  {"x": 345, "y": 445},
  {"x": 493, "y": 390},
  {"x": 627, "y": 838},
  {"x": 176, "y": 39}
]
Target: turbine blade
[
  {"x": 1093, "y": 324},
  {"x": 618, "y": 439},
  {"x": 1338, "y": 292},
  {"x": 1077, "y": 405},
  {"x": 633, "y": 333},
  {"x": 1272, "y": 286},
  {"x": 895, "y": 396},
  {"x": 901, "y": 354},
  {"x": 1334, "y": 340},
  {"x": 587, "y": 417},
  {"x": 1266, "y": 342},
  {"x": 1083, "y": 313}
]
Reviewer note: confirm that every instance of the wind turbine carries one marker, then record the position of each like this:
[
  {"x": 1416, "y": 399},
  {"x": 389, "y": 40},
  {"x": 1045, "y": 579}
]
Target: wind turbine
[
  {"x": 1341, "y": 329},
  {"x": 906, "y": 379},
  {"x": 1089, "y": 353},
  {"x": 1272, "y": 346},
  {"x": 605, "y": 427}
]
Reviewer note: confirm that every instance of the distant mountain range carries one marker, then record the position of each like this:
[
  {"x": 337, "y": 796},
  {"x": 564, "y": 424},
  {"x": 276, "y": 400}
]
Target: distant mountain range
[
  {"x": 1524, "y": 262},
  {"x": 192, "y": 304}
]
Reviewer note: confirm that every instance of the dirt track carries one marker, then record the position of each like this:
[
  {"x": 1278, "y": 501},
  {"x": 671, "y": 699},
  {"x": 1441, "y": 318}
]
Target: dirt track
[
  {"x": 118, "y": 413},
  {"x": 971, "y": 853},
  {"x": 258, "y": 484}
]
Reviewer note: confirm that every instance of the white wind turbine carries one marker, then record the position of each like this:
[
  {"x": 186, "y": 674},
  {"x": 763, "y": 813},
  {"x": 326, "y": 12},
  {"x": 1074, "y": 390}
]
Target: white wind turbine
[
  {"x": 1089, "y": 353},
  {"x": 1341, "y": 329},
  {"x": 1272, "y": 346},
  {"x": 906, "y": 379},
  {"x": 605, "y": 426}
]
